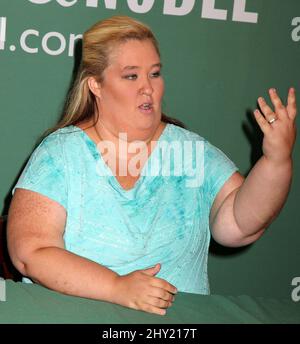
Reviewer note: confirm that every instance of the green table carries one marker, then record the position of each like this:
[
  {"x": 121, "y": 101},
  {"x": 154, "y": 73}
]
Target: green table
[{"x": 33, "y": 304}]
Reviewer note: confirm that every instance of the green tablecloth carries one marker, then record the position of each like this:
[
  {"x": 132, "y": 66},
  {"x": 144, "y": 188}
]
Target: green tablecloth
[{"x": 33, "y": 304}]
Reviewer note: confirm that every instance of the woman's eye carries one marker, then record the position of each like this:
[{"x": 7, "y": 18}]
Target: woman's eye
[
  {"x": 130, "y": 77},
  {"x": 156, "y": 74}
]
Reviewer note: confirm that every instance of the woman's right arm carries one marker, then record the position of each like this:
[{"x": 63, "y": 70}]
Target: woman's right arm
[{"x": 35, "y": 241}]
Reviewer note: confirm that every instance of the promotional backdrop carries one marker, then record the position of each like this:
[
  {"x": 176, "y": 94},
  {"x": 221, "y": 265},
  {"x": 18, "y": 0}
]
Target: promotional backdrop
[{"x": 219, "y": 56}]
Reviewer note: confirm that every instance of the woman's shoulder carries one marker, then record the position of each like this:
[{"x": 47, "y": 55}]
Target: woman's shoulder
[
  {"x": 184, "y": 134},
  {"x": 58, "y": 142},
  {"x": 63, "y": 133},
  {"x": 62, "y": 136}
]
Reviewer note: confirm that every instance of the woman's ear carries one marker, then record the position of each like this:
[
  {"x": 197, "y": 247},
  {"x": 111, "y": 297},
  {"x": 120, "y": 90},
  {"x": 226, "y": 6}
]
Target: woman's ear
[{"x": 94, "y": 86}]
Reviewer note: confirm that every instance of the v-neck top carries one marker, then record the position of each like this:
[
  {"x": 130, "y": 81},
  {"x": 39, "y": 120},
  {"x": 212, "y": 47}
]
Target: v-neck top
[{"x": 163, "y": 219}]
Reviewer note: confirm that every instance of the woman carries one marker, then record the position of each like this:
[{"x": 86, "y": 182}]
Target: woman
[{"x": 97, "y": 224}]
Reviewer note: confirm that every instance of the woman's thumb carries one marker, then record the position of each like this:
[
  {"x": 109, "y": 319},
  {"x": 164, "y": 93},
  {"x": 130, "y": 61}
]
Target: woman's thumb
[{"x": 153, "y": 270}]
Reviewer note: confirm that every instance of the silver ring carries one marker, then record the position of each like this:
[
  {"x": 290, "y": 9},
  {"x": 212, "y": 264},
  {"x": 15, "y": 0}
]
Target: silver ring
[{"x": 272, "y": 120}]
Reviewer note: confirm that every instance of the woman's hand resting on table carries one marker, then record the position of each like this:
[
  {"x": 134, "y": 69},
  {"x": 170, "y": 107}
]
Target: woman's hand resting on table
[{"x": 141, "y": 290}]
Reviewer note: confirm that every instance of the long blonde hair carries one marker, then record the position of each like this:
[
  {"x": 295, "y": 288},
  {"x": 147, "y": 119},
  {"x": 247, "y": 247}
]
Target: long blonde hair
[{"x": 98, "y": 43}]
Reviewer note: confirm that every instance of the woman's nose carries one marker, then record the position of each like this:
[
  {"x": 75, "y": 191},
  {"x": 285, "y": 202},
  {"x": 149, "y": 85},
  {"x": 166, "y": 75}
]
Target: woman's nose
[{"x": 146, "y": 87}]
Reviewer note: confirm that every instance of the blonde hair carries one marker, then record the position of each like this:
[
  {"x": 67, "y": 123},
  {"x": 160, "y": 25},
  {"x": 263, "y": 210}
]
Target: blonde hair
[{"x": 98, "y": 44}]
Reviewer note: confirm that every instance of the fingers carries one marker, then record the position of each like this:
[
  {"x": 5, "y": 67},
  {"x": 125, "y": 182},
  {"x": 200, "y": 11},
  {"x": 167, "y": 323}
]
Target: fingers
[
  {"x": 159, "y": 302},
  {"x": 164, "y": 285},
  {"x": 262, "y": 122},
  {"x": 276, "y": 101},
  {"x": 155, "y": 310},
  {"x": 158, "y": 305},
  {"x": 142, "y": 290},
  {"x": 280, "y": 111},
  {"x": 278, "y": 127},
  {"x": 291, "y": 103},
  {"x": 152, "y": 271},
  {"x": 158, "y": 282},
  {"x": 162, "y": 294},
  {"x": 265, "y": 108}
]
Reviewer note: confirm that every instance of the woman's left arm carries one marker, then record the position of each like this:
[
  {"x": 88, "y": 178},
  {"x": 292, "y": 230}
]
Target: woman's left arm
[{"x": 245, "y": 207}]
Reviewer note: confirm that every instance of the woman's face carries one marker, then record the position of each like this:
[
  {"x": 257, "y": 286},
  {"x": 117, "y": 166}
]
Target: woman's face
[{"x": 132, "y": 90}]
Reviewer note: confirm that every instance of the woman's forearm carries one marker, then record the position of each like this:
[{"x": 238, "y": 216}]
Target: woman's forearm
[
  {"x": 70, "y": 274},
  {"x": 240, "y": 215},
  {"x": 67, "y": 273},
  {"x": 262, "y": 195}
]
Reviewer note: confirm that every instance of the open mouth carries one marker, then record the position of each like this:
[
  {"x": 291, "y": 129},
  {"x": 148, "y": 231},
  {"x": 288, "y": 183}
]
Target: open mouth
[{"x": 146, "y": 107}]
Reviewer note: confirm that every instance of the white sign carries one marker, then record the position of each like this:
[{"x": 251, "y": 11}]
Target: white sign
[
  {"x": 170, "y": 7},
  {"x": 61, "y": 41}
]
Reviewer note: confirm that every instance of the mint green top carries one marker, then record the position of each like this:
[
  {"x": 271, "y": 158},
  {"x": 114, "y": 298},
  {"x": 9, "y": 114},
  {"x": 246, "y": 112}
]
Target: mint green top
[{"x": 163, "y": 219}]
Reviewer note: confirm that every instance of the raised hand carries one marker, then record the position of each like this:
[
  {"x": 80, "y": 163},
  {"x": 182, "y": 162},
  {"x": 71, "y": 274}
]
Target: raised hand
[
  {"x": 143, "y": 291},
  {"x": 278, "y": 126}
]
